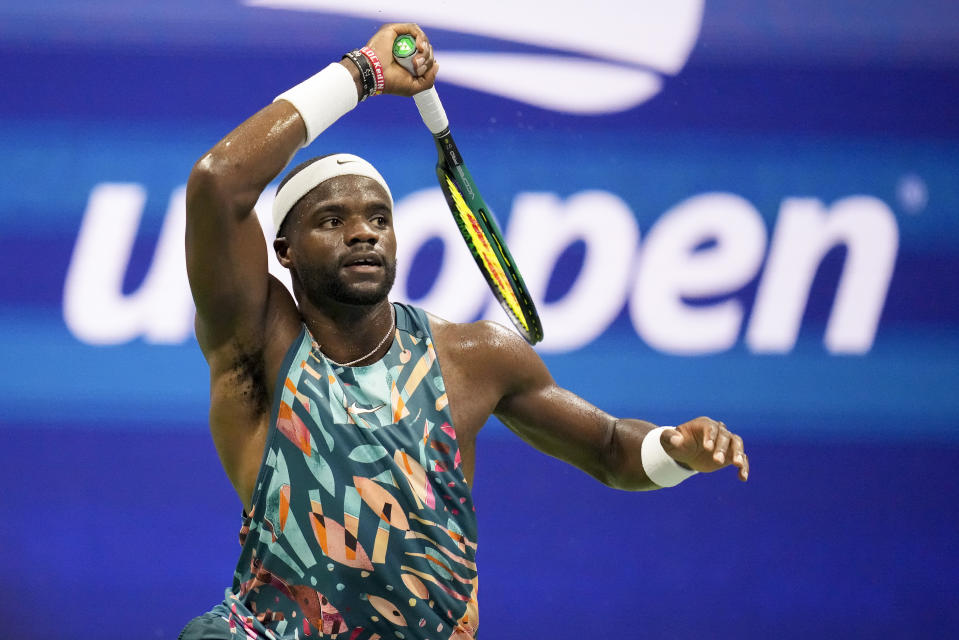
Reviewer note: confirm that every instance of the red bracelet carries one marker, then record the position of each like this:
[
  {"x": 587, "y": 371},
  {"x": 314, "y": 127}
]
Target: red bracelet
[{"x": 377, "y": 69}]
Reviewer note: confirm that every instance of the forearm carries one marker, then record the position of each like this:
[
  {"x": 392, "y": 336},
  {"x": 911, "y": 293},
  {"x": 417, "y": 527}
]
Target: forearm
[
  {"x": 225, "y": 245},
  {"x": 623, "y": 460},
  {"x": 239, "y": 167},
  {"x": 232, "y": 174},
  {"x": 621, "y": 453},
  {"x": 557, "y": 421}
]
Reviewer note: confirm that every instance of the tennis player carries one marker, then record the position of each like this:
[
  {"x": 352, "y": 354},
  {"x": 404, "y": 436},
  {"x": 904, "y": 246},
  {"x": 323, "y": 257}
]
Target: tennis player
[{"x": 346, "y": 422}]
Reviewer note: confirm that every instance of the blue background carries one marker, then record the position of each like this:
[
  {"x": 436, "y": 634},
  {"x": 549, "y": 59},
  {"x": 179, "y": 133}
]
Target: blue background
[{"x": 118, "y": 522}]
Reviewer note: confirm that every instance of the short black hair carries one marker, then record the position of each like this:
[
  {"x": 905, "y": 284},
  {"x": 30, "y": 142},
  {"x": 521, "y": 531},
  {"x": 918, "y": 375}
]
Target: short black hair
[{"x": 295, "y": 170}]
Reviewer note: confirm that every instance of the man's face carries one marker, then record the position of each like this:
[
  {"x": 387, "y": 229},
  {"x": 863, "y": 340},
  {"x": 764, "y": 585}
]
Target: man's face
[{"x": 341, "y": 245}]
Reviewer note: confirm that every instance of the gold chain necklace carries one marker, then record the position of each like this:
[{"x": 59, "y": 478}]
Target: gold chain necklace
[{"x": 375, "y": 349}]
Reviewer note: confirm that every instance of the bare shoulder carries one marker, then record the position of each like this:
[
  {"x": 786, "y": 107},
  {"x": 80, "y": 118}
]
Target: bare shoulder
[
  {"x": 492, "y": 352},
  {"x": 482, "y": 333},
  {"x": 483, "y": 364}
]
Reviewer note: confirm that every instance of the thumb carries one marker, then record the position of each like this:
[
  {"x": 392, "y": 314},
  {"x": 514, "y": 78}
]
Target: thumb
[{"x": 673, "y": 439}]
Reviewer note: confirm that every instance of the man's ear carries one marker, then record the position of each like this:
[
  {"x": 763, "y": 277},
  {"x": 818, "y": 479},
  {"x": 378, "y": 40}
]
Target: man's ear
[{"x": 282, "y": 249}]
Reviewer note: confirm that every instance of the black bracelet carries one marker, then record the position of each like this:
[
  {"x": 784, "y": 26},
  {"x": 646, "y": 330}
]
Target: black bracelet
[{"x": 366, "y": 72}]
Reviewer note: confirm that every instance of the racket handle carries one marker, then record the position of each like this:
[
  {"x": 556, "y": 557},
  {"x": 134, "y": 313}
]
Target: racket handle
[
  {"x": 432, "y": 111},
  {"x": 428, "y": 102}
]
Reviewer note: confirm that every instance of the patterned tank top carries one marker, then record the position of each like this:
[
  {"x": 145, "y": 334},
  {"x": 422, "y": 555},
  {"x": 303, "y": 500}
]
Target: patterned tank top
[{"x": 362, "y": 525}]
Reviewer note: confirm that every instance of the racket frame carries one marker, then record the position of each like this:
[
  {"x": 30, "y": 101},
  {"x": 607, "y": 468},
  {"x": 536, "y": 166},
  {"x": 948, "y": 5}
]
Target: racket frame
[{"x": 450, "y": 166}]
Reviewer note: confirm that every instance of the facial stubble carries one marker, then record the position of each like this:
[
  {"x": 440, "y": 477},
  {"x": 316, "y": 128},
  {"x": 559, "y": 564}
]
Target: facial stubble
[{"x": 323, "y": 283}]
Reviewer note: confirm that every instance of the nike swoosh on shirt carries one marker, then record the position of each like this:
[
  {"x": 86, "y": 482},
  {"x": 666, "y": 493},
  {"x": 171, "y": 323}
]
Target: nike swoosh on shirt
[{"x": 358, "y": 411}]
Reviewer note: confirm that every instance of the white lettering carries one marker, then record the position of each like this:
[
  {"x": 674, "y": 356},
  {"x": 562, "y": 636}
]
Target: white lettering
[
  {"x": 541, "y": 227},
  {"x": 459, "y": 291},
  {"x": 94, "y": 308},
  {"x": 674, "y": 267},
  {"x": 804, "y": 233},
  {"x": 679, "y": 292}
]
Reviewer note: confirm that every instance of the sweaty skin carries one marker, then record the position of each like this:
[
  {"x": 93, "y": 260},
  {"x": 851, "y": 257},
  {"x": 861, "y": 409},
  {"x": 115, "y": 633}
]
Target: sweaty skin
[{"x": 246, "y": 319}]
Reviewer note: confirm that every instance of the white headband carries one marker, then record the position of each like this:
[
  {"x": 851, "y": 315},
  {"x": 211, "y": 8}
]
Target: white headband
[{"x": 340, "y": 164}]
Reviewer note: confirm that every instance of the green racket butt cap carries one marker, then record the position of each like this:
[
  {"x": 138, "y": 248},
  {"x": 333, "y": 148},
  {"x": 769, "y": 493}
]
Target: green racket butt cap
[{"x": 404, "y": 46}]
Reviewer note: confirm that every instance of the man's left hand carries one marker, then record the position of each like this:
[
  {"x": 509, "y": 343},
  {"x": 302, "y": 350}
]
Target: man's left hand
[{"x": 706, "y": 445}]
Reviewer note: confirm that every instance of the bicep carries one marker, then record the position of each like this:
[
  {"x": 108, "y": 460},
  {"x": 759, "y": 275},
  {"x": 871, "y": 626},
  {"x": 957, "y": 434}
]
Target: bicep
[
  {"x": 225, "y": 247},
  {"x": 226, "y": 258},
  {"x": 555, "y": 420}
]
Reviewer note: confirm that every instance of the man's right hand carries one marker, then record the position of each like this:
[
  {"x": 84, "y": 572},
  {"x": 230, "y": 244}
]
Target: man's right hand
[{"x": 399, "y": 81}]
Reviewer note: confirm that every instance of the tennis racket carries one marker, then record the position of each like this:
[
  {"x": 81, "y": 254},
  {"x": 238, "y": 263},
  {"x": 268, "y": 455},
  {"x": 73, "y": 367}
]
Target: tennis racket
[{"x": 476, "y": 224}]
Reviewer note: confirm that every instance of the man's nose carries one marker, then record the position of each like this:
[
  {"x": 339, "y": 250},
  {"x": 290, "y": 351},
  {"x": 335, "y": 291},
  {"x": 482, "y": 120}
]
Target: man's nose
[{"x": 361, "y": 230}]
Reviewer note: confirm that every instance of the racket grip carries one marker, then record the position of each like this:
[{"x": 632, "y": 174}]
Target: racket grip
[
  {"x": 428, "y": 102},
  {"x": 432, "y": 111}
]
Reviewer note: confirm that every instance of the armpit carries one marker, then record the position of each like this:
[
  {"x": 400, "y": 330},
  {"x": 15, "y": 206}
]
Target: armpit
[{"x": 247, "y": 381}]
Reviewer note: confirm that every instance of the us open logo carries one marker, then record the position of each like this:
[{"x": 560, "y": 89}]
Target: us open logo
[{"x": 609, "y": 58}]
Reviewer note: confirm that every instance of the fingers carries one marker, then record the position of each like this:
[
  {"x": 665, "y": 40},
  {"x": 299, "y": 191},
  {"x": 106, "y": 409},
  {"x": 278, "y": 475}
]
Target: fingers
[
  {"x": 740, "y": 459},
  {"x": 424, "y": 62},
  {"x": 423, "y": 59},
  {"x": 721, "y": 447},
  {"x": 708, "y": 445},
  {"x": 425, "y": 69},
  {"x": 399, "y": 28},
  {"x": 398, "y": 78},
  {"x": 712, "y": 432},
  {"x": 674, "y": 437},
  {"x": 729, "y": 449}
]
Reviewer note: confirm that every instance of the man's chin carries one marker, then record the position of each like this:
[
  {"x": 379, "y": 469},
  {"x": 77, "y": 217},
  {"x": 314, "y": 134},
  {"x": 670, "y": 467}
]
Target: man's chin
[
  {"x": 364, "y": 298},
  {"x": 360, "y": 292},
  {"x": 357, "y": 295}
]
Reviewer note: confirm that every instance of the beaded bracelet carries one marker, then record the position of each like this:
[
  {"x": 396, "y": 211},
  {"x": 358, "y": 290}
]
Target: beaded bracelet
[
  {"x": 377, "y": 69},
  {"x": 367, "y": 75}
]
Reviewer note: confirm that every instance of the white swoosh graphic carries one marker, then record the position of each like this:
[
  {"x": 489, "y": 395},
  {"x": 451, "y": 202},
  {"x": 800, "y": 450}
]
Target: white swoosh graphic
[
  {"x": 647, "y": 32},
  {"x": 645, "y": 38},
  {"x": 356, "y": 410},
  {"x": 560, "y": 83}
]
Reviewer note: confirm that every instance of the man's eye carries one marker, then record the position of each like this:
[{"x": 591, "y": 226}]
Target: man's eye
[{"x": 327, "y": 223}]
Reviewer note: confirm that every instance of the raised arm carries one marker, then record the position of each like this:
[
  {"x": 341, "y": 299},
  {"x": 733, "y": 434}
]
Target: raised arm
[
  {"x": 246, "y": 319},
  {"x": 225, "y": 247},
  {"x": 563, "y": 425}
]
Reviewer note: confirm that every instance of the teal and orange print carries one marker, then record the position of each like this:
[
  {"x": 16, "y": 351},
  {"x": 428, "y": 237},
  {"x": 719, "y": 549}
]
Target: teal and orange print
[{"x": 362, "y": 524}]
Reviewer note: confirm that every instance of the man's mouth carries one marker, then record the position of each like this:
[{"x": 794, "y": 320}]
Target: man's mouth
[{"x": 363, "y": 262}]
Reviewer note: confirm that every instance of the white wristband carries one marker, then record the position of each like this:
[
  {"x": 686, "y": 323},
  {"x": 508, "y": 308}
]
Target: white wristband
[
  {"x": 658, "y": 465},
  {"x": 322, "y": 99}
]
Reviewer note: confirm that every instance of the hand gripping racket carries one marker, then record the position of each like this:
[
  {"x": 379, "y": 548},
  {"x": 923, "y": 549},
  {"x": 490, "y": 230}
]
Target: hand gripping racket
[{"x": 472, "y": 215}]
